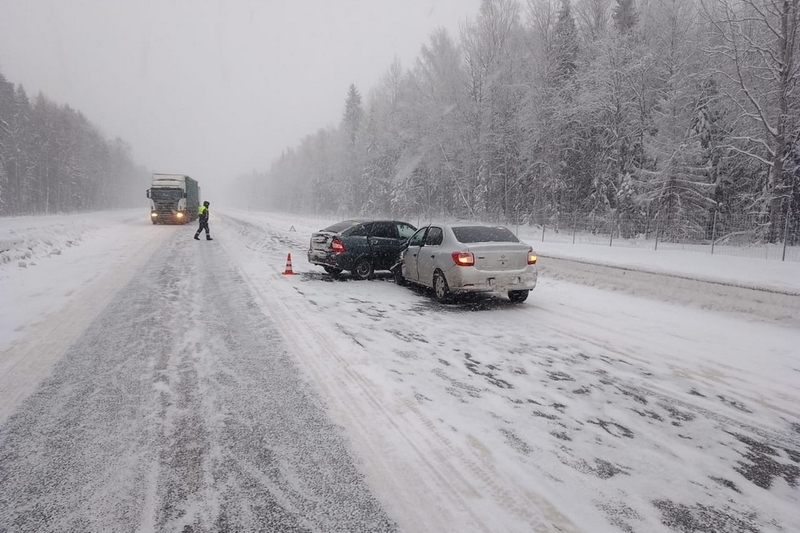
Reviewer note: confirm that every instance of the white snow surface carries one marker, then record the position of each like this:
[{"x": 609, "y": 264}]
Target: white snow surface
[{"x": 613, "y": 399}]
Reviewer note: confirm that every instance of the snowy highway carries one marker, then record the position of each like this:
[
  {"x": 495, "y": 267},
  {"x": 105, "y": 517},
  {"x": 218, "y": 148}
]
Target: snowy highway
[
  {"x": 177, "y": 409},
  {"x": 150, "y": 382}
]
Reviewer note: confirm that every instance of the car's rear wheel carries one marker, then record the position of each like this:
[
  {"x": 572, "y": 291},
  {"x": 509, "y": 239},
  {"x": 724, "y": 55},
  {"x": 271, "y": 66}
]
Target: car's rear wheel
[
  {"x": 440, "y": 288},
  {"x": 363, "y": 269},
  {"x": 333, "y": 271},
  {"x": 518, "y": 296}
]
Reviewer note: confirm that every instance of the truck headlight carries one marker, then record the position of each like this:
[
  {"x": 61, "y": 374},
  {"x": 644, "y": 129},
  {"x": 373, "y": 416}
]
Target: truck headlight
[
  {"x": 180, "y": 215},
  {"x": 154, "y": 214}
]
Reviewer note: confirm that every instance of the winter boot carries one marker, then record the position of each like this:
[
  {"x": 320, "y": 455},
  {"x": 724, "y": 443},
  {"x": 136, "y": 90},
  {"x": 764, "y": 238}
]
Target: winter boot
[
  {"x": 208, "y": 238},
  {"x": 196, "y": 238}
]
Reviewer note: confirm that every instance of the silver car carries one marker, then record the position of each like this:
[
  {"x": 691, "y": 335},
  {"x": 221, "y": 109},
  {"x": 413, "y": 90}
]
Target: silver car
[{"x": 463, "y": 257}]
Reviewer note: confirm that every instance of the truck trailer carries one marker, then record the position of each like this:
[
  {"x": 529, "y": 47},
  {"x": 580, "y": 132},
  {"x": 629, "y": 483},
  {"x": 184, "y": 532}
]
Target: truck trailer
[{"x": 174, "y": 199}]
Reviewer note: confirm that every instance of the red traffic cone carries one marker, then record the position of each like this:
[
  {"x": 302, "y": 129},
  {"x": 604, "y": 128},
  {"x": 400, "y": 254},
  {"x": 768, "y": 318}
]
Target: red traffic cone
[{"x": 288, "y": 270}]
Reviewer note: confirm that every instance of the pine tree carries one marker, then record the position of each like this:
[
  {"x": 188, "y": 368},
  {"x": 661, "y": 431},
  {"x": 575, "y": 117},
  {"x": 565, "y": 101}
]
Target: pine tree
[
  {"x": 565, "y": 45},
  {"x": 19, "y": 160},
  {"x": 353, "y": 114},
  {"x": 350, "y": 166},
  {"x": 7, "y": 106}
]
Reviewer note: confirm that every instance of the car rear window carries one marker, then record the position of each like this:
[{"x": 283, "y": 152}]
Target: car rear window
[
  {"x": 359, "y": 230},
  {"x": 341, "y": 226},
  {"x": 468, "y": 234}
]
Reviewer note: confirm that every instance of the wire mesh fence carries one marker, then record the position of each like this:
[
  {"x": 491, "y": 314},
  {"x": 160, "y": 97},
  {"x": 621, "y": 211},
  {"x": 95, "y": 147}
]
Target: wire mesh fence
[{"x": 724, "y": 234}]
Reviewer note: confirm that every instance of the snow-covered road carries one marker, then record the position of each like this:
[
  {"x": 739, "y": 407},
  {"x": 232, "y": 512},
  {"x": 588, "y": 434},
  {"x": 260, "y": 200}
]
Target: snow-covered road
[
  {"x": 179, "y": 406},
  {"x": 203, "y": 388}
]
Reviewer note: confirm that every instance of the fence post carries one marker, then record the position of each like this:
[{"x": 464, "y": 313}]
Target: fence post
[
  {"x": 611, "y": 237},
  {"x": 574, "y": 216},
  {"x": 714, "y": 232},
  {"x": 543, "y": 232},
  {"x": 786, "y": 232},
  {"x": 656, "y": 248}
]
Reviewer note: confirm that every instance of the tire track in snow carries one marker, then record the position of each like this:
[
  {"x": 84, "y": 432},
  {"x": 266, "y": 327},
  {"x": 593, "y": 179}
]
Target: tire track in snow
[
  {"x": 437, "y": 463},
  {"x": 27, "y": 362},
  {"x": 178, "y": 409}
]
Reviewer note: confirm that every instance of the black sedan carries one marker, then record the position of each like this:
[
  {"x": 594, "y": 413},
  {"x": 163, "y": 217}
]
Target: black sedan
[{"x": 359, "y": 246}]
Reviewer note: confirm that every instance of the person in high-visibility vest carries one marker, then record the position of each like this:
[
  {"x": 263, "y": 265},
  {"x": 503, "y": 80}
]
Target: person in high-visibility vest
[{"x": 202, "y": 211}]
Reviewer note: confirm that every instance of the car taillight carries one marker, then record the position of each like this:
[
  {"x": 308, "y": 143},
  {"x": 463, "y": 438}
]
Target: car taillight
[
  {"x": 337, "y": 246},
  {"x": 464, "y": 259},
  {"x": 532, "y": 257}
]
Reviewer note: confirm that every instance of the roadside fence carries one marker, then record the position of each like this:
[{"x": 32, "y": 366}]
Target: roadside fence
[{"x": 724, "y": 234}]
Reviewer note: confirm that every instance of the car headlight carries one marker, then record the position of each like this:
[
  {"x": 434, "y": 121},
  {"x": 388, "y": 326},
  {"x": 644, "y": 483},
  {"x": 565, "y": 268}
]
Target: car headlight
[
  {"x": 153, "y": 214},
  {"x": 180, "y": 215}
]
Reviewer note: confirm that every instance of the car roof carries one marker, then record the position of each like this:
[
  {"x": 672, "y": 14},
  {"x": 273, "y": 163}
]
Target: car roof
[
  {"x": 354, "y": 221},
  {"x": 461, "y": 224},
  {"x": 344, "y": 224}
]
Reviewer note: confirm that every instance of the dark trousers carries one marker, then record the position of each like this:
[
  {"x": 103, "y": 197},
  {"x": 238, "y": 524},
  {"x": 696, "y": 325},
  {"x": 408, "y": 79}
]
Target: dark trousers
[{"x": 203, "y": 226}]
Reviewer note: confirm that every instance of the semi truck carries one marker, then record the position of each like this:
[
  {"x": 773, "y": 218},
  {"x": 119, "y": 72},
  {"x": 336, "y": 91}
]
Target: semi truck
[{"x": 174, "y": 199}]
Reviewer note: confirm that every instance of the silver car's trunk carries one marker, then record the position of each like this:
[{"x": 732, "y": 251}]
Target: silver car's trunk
[{"x": 497, "y": 257}]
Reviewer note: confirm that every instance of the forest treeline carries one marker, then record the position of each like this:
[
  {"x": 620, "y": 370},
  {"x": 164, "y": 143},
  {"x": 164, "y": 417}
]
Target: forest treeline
[
  {"x": 675, "y": 110},
  {"x": 54, "y": 160}
]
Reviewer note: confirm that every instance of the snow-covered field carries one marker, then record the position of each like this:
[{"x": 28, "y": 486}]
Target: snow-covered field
[{"x": 636, "y": 390}]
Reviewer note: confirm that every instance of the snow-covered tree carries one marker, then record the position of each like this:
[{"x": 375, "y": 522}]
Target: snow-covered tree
[
  {"x": 625, "y": 16},
  {"x": 676, "y": 184},
  {"x": 592, "y": 17},
  {"x": 52, "y": 158},
  {"x": 431, "y": 177},
  {"x": 601, "y": 107},
  {"x": 491, "y": 74},
  {"x": 757, "y": 47}
]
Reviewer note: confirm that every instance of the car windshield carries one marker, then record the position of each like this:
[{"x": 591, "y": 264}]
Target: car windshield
[
  {"x": 468, "y": 234},
  {"x": 343, "y": 225}
]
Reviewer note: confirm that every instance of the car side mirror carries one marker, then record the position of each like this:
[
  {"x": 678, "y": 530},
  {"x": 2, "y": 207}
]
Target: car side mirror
[{"x": 148, "y": 193}]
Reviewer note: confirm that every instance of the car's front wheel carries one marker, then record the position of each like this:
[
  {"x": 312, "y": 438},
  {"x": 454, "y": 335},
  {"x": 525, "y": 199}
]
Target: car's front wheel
[
  {"x": 363, "y": 269},
  {"x": 518, "y": 296},
  {"x": 440, "y": 288}
]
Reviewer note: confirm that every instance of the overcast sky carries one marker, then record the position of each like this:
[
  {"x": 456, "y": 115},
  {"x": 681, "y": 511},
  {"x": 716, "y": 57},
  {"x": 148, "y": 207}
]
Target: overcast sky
[{"x": 213, "y": 88}]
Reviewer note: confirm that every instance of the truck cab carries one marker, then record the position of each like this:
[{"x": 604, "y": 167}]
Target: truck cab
[{"x": 174, "y": 199}]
